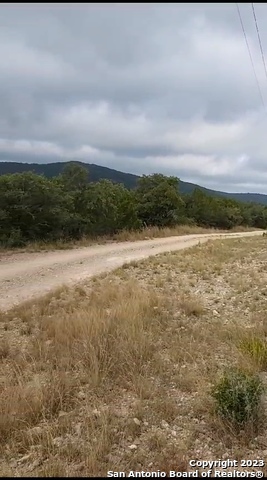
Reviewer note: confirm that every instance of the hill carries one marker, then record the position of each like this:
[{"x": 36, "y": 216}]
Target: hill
[
  {"x": 53, "y": 169},
  {"x": 98, "y": 172}
]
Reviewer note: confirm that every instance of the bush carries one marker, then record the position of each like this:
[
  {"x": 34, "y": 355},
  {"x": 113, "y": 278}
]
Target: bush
[
  {"x": 237, "y": 396},
  {"x": 256, "y": 348},
  {"x": 13, "y": 239}
]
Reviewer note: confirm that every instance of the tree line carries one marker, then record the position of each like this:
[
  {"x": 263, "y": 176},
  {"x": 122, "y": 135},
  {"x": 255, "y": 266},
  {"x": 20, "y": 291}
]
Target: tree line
[{"x": 68, "y": 207}]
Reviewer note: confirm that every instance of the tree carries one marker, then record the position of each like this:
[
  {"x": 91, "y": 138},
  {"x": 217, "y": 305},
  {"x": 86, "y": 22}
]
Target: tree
[
  {"x": 74, "y": 177},
  {"x": 159, "y": 202},
  {"x": 255, "y": 215},
  {"x": 216, "y": 212},
  {"x": 32, "y": 208},
  {"x": 75, "y": 180},
  {"x": 110, "y": 207}
]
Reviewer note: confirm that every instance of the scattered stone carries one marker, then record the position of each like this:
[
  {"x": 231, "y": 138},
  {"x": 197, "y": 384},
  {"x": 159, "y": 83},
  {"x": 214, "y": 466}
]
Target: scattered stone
[
  {"x": 57, "y": 441},
  {"x": 164, "y": 424},
  {"x": 133, "y": 447},
  {"x": 137, "y": 421},
  {"x": 78, "y": 429},
  {"x": 81, "y": 395},
  {"x": 96, "y": 412},
  {"x": 201, "y": 428},
  {"x": 174, "y": 433}
]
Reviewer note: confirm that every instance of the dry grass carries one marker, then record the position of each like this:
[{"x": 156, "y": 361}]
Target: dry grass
[
  {"x": 123, "y": 236},
  {"x": 116, "y": 373}
]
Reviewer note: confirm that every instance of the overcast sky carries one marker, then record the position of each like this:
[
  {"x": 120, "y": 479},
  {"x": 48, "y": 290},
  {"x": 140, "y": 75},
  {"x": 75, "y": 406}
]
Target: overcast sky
[{"x": 139, "y": 88}]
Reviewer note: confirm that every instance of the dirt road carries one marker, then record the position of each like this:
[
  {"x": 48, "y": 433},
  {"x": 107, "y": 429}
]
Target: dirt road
[{"x": 27, "y": 275}]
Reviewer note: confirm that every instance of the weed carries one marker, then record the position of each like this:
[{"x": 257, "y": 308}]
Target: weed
[
  {"x": 237, "y": 396},
  {"x": 256, "y": 348}
]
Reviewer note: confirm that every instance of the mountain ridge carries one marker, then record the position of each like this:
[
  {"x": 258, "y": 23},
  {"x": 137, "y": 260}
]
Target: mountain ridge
[{"x": 97, "y": 172}]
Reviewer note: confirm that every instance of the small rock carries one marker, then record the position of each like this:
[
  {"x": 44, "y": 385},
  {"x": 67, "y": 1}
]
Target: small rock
[
  {"x": 78, "y": 429},
  {"x": 133, "y": 447},
  {"x": 164, "y": 424},
  {"x": 146, "y": 424},
  {"x": 174, "y": 433},
  {"x": 96, "y": 412},
  {"x": 81, "y": 395},
  {"x": 201, "y": 428},
  {"x": 215, "y": 312},
  {"x": 137, "y": 421},
  {"x": 57, "y": 441}
]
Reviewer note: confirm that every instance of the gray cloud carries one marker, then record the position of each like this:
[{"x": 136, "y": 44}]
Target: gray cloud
[{"x": 140, "y": 88}]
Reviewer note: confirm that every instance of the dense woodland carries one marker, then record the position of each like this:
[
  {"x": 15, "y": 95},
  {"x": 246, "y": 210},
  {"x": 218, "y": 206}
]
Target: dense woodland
[
  {"x": 129, "y": 180},
  {"x": 69, "y": 206}
]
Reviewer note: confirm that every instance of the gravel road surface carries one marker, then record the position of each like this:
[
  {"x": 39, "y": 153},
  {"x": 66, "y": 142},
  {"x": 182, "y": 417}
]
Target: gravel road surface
[{"x": 27, "y": 275}]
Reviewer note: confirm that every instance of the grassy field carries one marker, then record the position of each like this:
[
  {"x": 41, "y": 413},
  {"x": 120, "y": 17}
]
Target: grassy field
[
  {"x": 123, "y": 236},
  {"x": 116, "y": 374}
]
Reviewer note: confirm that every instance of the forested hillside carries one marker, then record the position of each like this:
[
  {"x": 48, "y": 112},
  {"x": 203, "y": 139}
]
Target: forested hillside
[
  {"x": 50, "y": 170},
  {"x": 127, "y": 179},
  {"x": 67, "y": 207}
]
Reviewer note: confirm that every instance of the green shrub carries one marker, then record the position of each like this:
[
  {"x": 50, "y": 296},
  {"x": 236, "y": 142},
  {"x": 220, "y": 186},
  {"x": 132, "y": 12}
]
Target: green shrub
[
  {"x": 237, "y": 396},
  {"x": 256, "y": 348},
  {"x": 13, "y": 239}
]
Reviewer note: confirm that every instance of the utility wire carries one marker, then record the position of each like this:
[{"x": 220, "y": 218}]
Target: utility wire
[
  {"x": 250, "y": 55},
  {"x": 259, "y": 38}
]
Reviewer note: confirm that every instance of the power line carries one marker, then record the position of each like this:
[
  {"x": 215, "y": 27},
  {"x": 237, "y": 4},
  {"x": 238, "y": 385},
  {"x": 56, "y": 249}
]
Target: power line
[
  {"x": 259, "y": 38},
  {"x": 250, "y": 55}
]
